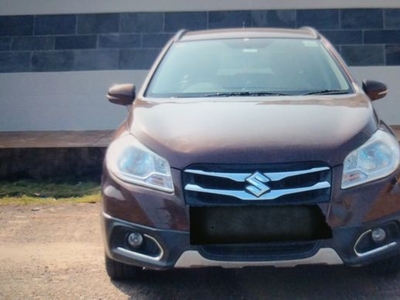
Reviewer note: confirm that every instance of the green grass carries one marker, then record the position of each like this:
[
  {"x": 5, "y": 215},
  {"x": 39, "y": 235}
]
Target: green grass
[{"x": 48, "y": 192}]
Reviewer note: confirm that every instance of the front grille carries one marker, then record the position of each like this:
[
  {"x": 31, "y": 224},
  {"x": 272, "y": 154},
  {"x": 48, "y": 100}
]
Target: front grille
[{"x": 284, "y": 184}]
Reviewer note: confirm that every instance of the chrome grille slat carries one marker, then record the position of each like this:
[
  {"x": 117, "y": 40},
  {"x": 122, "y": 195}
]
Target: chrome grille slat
[
  {"x": 241, "y": 177},
  {"x": 243, "y": 195},
  {"x": 238, "y": 177}
]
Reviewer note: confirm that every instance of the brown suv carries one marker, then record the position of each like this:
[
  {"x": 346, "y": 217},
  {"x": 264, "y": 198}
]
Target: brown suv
[{"x": 250, "y": 147}]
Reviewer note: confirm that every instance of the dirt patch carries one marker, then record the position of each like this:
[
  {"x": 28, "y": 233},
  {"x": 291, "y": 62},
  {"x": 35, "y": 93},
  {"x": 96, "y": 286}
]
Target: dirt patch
[{"x": 52, "y": 252}]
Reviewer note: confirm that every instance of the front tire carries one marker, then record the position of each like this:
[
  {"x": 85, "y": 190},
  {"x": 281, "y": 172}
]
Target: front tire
[{"x": 120, "y": 271}]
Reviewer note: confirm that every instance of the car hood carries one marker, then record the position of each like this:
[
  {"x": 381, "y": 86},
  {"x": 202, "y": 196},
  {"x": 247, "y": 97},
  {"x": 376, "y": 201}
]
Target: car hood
[{"x": 253, "y": 130}]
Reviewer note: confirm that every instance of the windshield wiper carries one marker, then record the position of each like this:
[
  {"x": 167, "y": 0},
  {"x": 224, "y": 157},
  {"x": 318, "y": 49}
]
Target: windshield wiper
[
  {"x": 326, "y": 92},
  {"x": 239, "y": 94}
]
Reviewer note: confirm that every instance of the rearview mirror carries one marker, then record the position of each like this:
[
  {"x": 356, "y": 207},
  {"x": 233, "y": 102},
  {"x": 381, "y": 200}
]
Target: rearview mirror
[
  {"x": 122, "y": 94},
  {"x": 374, "y": 89}
]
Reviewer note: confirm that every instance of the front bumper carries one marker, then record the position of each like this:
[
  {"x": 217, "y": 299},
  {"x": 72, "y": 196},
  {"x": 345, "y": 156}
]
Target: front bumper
[
  {"x": 164, "y": 221},
  {"x": 172, "y": 249}
]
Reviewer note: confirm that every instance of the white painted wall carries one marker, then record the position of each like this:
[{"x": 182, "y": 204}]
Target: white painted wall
[
  {"x": 61, "y": 100},
  {"x": 27, "y": 7},
  {"x": 76, "y": 100}
]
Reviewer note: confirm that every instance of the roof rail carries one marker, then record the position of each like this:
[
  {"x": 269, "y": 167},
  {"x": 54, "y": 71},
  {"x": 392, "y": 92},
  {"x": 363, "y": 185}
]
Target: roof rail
[
  {"x": 179, "y": 34},
  {"x": 311, "y": 30}
]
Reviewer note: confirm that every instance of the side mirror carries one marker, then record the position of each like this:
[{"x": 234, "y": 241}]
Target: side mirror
[
  {"x": 122, "y": 94},
  {"x": 374, "y": 89}
]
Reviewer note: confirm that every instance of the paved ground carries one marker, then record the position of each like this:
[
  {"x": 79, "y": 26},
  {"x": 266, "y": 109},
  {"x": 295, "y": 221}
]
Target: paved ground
[{"x": 55, "y": 252}]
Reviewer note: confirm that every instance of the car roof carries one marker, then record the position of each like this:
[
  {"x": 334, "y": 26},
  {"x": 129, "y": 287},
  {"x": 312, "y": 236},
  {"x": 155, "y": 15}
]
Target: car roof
[{"x": 305, "y": 32}]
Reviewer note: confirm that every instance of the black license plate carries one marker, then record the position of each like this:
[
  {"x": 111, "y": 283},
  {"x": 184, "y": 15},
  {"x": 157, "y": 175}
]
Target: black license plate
[{"x": 257, "y": 224}]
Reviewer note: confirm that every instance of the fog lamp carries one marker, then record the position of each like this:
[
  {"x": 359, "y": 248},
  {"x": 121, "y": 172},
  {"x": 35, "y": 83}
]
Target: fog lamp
[
  {"x": 135, "y": 239},
  {"x": 378, "y": 235}
]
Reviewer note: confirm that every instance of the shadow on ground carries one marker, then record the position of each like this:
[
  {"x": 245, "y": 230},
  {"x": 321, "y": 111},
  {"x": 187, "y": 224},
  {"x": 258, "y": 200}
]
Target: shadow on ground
[{"x": 311, "y": 282}]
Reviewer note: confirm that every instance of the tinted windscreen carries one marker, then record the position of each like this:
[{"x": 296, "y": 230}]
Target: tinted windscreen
[{"x": 254, "y": 66}]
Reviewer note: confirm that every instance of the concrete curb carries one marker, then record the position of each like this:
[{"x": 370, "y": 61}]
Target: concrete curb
[{"x": 70, "y": 139}]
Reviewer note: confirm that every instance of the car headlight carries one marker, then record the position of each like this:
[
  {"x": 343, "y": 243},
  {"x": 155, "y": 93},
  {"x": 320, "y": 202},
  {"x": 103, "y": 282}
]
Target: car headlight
[
  {"x": 132, "y": 162},
  {"x": 377, "y": 158}
]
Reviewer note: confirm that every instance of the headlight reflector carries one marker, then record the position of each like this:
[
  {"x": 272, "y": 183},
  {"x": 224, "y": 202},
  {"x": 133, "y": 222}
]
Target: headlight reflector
[
  {"x": 377, "y": 158},
  {"x": 132, "y": 162}
]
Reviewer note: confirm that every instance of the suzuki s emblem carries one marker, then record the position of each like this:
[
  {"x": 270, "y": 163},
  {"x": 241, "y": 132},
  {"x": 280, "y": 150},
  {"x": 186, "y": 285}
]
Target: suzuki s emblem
[{"x": 258, "y": 186}]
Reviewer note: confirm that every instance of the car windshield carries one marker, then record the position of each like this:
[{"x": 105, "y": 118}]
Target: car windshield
[{"x": 247, "y": 67}]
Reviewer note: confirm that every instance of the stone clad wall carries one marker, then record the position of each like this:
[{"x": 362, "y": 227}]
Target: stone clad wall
[{"x": 131, "y": 41}]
